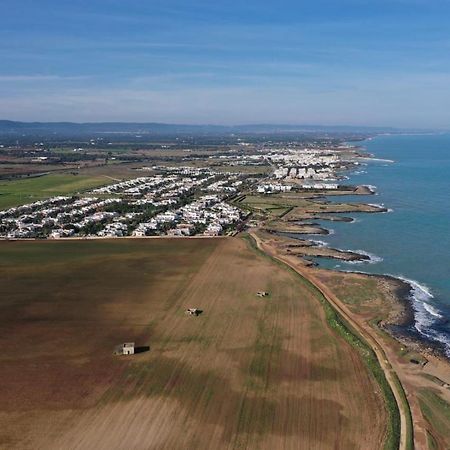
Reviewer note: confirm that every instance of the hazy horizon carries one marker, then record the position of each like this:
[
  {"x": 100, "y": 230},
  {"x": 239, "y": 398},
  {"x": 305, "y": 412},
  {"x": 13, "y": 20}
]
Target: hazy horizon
[
  {"x": 231, "y": 126},
  {"x": 355, "y": 63}
]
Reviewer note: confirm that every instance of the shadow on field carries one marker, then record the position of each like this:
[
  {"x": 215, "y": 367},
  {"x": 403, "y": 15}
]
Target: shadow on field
[{"x": 142, "y": 349}]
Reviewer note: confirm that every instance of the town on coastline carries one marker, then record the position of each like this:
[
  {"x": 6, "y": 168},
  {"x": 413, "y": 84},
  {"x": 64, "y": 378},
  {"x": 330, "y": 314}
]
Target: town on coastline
[{"x": 185, "y": 200}]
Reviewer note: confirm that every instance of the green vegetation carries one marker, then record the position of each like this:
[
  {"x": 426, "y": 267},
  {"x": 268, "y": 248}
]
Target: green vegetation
[
  {"x": 407, "y": 409},
  {"x": 436, "y": 411},
  {"x": 277, "y": 200},
  {"x": 270, "y": 205},
  {"x": 92, "y": 228},
  {"x": 19, "y": 192},
  {"x": 357, "y": 292},
  {"x": 432, "y": 444}
]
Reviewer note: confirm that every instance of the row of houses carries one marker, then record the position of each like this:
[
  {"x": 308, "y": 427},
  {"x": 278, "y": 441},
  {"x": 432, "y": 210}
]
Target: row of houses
[
  {"x": 208, "y": 213},
  {"x": 31, "y": 207},
  {"x": 166, "y": 203},
  {"x": 270, "y": 188},
  {"x": 304, "y": 164},
  {"x": 132, "y": 186},
  {"x": 225, "y": 186},
  {"x": 326, "y": 186},
  {"x": 311, "y": 172},
  {"x": 159, "y": 190},
  {"x": 54, "y": 220}
]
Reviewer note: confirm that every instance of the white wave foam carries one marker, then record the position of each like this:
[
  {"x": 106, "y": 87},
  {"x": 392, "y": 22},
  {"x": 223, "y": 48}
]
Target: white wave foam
[
  {"x": 426, "y": 315},
  {"x": 373, "y": 159},
  {"x": 431, "y": 333},
  {"x": 433, "y": 311},
  {"x": 390, "y": 161},
  {"x": 319, "y": 243},
  {"x": 373, "y": 259},
  {"x": 420, "y": 289},
  {"x": 371, "y": 187},
  {"x": 381, "y": 206}
]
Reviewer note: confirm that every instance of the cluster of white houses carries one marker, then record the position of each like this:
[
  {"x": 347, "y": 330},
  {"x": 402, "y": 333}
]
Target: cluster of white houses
[
  {"x": 305, "y": 164},
  {"x": 157, "y": 190},
  {"x": 208, "y": 214},
  {"x": 321, "y": 186},
  {"x": 168, "y": 204},
  {"x": 272, "y": 188},
  {"x": 176, "y": 201},
  {"x": 57, "y": 216},
  {"x": 302, "y": 168}
]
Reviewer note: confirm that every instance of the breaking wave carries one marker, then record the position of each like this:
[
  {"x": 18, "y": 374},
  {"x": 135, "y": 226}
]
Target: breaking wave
[
  {"x": 376, "y": 205},
  {"x": 319, "y": 243},
  {"x": 426, "y": 315},
  {"x": 371, "y": 188},
  {"x": 381, "y": 206},
  {"x": 373, "y": 259},
  {"x": 433, "y": 311}
]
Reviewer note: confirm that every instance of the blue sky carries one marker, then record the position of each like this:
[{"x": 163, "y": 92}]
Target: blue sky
[{"x": 195, "y": 61}]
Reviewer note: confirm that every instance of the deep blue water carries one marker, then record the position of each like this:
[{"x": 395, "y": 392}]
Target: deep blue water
[{"x": 412, "y": 241}]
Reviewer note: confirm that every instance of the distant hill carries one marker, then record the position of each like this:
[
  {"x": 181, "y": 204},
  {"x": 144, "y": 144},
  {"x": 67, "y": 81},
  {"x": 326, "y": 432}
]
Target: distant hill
[{"x": 12, "y": 128}]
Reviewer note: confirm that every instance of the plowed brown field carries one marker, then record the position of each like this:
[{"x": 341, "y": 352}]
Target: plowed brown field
[{"x": 250, "y": 372}]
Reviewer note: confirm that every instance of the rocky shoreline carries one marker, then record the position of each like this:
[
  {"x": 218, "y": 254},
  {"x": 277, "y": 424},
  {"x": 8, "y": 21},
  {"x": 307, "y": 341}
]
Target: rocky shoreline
[
  {"x": 401, "y": 325},
  {"x": 295, "y": 227},
  {"x": 403, "y": 329},
  {"x": 318, "y": 251}
]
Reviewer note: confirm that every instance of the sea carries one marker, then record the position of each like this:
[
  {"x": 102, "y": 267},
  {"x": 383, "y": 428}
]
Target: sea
[{"x": 411, "y": 175}]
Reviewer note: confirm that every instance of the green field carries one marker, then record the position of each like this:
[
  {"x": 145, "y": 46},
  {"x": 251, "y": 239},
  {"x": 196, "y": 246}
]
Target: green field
[
  {"x": 19, "y": 192},
  {"x": 272, "y": 205},
  {"x": 437, "y": 413}
]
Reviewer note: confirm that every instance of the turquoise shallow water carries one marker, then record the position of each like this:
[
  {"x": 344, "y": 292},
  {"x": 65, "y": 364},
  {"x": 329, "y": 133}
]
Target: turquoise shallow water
[{"x": 412, "y": 241}]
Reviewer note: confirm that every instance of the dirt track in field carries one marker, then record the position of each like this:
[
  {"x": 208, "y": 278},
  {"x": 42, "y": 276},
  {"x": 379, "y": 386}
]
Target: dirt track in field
[{"x": 247, "y": 373}]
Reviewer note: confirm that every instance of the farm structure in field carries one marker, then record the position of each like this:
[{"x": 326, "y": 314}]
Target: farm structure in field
[
  {"x": 125, "y": 349},
  {"x": 262, "y": 294},
  {"x": 193, "y": 311}
]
